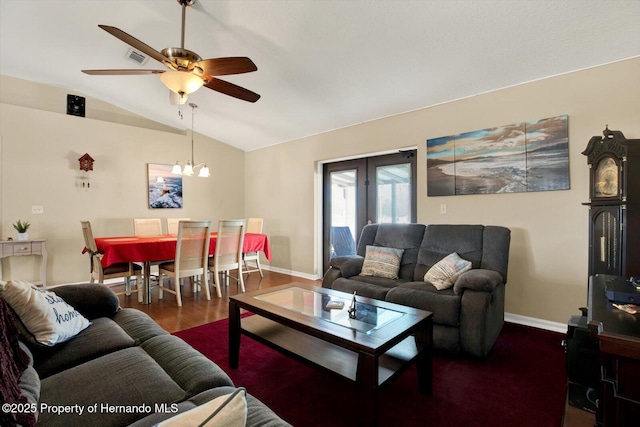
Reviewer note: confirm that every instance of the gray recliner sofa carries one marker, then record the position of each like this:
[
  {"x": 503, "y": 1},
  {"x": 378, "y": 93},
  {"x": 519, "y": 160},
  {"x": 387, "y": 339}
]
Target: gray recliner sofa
[
  {"x": 123, "y": 370},
  {"x": 467, "y": 317}
]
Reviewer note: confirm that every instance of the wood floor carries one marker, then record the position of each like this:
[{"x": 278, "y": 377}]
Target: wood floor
[{"x": 196, "y": 310}]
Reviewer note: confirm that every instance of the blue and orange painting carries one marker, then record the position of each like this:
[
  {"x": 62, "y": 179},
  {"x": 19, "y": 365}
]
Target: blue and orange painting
[
  {"x": 165, "y": 189},
  {"x": 527, "y": 156}
]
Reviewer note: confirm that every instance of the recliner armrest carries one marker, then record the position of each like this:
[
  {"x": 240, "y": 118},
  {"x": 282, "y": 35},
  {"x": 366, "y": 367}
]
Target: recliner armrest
[
  {"x": 348, "y": 265},
  {"x": 345, "y": 266},
  {"x": 477, "y": 280},
  {"x": 92, "y": 300}
]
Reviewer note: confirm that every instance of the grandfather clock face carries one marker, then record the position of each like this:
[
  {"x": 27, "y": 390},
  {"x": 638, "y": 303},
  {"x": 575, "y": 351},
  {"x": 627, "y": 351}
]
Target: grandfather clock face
[{"x": 606, "y": 179}]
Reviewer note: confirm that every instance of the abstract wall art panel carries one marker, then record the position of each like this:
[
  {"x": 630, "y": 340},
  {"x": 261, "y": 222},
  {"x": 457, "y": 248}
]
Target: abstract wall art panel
[{"x": 527, "y": 156}]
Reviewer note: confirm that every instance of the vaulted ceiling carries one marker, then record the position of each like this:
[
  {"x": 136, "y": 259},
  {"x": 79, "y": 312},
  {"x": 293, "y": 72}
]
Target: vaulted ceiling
[{"x": 322, "y": 65}]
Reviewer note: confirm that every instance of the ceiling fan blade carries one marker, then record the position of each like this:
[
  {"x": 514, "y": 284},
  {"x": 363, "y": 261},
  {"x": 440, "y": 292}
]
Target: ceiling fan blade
[
  {"x": 121, "y": 72},
  {"x": 226, "y": 66},
  {"x": 232, "y": 90},
  {"x": 135, "y": 43}
]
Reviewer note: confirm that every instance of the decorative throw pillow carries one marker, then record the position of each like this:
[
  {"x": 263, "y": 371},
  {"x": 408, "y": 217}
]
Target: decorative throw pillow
[
  {"x": 445, "y": 272},
  {"x": 48, "y": 319},
  {"x": 382, "y": 262},
  {"x": 229, "y": 411}
]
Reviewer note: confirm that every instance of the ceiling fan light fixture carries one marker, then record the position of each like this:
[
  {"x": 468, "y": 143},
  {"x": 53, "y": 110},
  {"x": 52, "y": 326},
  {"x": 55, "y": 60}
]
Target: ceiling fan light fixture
[
  {"x": 183, "y": 82},
  {"x": 177, "y": 98}
]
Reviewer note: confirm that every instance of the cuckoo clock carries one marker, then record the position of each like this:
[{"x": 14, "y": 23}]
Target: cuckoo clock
[
  {"x": 614, "y": 204},
  {"x": 86, "y": 162},
  {"x": 86, "y": 165}
]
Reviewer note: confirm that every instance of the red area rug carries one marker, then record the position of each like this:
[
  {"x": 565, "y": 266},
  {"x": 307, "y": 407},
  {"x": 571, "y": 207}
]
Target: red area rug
[{"x": 521, "y": 383}]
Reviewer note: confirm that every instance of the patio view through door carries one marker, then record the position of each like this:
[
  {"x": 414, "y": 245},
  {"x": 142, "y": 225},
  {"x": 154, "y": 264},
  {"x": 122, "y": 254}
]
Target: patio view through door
[{"x": 377, "y": 189}]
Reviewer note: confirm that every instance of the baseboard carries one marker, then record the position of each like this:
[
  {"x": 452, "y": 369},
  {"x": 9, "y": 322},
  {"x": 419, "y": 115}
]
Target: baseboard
[
  {"x": 291, "y": 272},
  {"x": 536, "y": 323}
]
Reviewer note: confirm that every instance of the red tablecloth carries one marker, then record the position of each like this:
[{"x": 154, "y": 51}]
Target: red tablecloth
[{"x": 160, "y": 248}]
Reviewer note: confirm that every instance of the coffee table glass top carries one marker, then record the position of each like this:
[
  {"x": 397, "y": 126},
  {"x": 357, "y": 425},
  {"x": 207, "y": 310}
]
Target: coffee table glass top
[{"x": 368, "y": 318}]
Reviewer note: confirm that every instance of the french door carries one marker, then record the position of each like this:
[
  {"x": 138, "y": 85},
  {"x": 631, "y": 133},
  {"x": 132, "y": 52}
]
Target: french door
[{"x": 377, "y": 189}]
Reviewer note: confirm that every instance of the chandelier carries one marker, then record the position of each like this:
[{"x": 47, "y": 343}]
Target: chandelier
[{"x": 189, "y": 167}]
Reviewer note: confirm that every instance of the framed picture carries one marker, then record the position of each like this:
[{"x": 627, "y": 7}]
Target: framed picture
[
  {"x": 165, "y": 189},
  {"x": 520, "y": 157}
]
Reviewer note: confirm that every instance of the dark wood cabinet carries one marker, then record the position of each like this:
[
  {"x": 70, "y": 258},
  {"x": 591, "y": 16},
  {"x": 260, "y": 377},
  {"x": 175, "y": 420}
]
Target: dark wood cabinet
[
  {"x": 618, "y": 337},
  {"x": 614, "y": 204}
]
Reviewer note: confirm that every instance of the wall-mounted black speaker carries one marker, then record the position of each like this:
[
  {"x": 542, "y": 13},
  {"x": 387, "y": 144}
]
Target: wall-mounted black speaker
[{"x": 75, "y": 105}]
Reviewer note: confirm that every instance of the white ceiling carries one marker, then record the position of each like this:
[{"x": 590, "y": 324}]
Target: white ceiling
[{"x": 322, "y": 64}]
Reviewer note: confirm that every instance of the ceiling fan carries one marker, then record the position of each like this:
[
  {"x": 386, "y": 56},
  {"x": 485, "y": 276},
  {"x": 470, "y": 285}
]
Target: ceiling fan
[{"x": 187, "y": 70}]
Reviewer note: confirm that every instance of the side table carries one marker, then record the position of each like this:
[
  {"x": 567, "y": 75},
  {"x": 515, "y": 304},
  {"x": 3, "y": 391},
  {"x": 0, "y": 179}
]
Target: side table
[
  {"x": 10, "y": 248},
  {"x": 618, "y": 335}
]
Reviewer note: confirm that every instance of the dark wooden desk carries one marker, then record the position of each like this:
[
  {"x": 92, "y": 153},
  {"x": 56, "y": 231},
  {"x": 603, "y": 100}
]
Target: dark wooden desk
[{"x": 618, "y": 335}]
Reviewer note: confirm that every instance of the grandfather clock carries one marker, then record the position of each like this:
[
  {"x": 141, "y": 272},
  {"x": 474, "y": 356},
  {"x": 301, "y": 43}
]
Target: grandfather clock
[{"x": 614, "y": 204}]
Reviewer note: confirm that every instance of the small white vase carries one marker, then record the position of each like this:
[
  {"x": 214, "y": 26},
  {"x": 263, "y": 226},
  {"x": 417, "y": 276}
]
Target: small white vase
[{"x": 23, "y": 236}]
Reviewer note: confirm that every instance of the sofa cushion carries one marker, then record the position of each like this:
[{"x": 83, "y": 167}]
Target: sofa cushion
[
  {"x": 366, "y": 286},
  {"x": 128, "y": 378},
  {"x": 380, "y": 261},
  {"x": 138, "y": 325},
  {"x": 441, "y": 240},
  {"x": 179, "y": 360},
  {"x": 47, "y": 319},
  {"x": 102, "y": 337},
  {"x": 445, "y": 272},
  {"x": 444, "y": 304},
  {"x": 402, "y": 236}
]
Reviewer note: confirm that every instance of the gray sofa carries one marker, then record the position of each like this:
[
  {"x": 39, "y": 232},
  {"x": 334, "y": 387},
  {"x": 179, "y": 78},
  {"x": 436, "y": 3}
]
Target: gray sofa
[
  {"x": 467, "y": 317},
  {"x": 123, "y": 359}
]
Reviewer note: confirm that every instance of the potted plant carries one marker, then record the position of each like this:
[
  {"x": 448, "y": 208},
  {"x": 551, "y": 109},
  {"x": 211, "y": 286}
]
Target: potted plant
[{"x": 22, "y": 227}]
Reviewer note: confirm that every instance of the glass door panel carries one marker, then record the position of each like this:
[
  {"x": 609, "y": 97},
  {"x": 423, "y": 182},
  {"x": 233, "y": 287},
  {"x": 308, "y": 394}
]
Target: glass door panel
[
  {"x": 393, "y": 196},
  {"x": 343, "y": 216},
  {"x": 343, "y": 212},
  {"x": 358, "y": 192}
]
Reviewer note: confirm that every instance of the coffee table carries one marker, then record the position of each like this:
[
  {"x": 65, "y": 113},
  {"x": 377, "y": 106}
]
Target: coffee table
[{"x": 370, "y": 349}]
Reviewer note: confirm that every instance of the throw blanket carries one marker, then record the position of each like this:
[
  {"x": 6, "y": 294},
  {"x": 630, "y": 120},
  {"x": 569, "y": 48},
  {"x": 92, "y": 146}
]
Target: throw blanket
[{"x": 13, "y": 361}]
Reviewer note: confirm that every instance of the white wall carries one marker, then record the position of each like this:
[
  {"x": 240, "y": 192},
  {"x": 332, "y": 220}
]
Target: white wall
[{"x": 548, "y": 258}]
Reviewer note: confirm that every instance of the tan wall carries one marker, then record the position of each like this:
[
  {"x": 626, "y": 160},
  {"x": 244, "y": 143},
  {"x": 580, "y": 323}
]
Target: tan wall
[
  {"x": 39, "y": 166},
  {"x": 40, "y": 146},
  {"x": 548, "y": 258}
]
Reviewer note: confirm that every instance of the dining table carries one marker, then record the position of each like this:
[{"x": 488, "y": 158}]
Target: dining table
[{"x": 149, "y": 249}]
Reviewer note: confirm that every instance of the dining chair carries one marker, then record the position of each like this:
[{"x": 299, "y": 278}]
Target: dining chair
[
  {"x": 192, "y": 258},
  {"x": 254, "y": 225},
  {"x": 98, "y": 273},
  {"x": 228, "y": 253},
  {"x": 172, "y": 224},
  {"x": 147, "y": 226}
]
